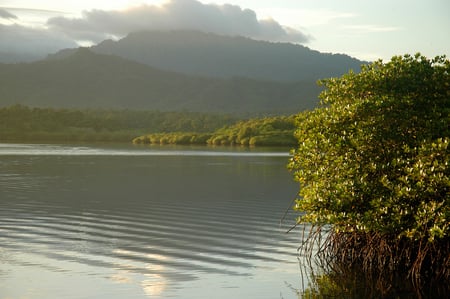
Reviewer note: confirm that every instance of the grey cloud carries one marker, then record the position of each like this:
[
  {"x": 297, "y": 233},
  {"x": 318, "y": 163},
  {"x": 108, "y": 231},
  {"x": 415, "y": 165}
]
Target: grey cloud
[
  {"x": 4, "y": 14},
  {"x": 96, "y": 25},
  {"x": 20, "y": 43}
]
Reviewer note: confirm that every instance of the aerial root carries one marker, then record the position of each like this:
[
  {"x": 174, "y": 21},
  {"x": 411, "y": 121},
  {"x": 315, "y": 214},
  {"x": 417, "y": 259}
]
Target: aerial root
[{"x": 382, "y": 258}]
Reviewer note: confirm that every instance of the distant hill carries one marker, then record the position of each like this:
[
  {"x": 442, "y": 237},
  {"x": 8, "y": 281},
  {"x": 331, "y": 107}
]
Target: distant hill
[
  {"x": 207, "y": 54},
  {"x": 84, "y": 79}
]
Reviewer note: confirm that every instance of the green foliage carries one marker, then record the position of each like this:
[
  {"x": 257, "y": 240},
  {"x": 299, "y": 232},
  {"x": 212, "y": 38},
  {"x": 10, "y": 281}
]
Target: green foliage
[
  {"x": 266, "y": 131},
  {"x": 22, "y": 123},
  {"x": 375, "y": 156},
  {"x": 173, "y": 138},
  {"x": 269, "y": 131}
]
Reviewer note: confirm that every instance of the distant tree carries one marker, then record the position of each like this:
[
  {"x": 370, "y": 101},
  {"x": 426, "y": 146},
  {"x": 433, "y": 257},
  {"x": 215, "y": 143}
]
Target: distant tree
[
  {"x": 272, "y": 131},
  {"x": 373, "y": 165},
  {"x": 22, "y": 123}
]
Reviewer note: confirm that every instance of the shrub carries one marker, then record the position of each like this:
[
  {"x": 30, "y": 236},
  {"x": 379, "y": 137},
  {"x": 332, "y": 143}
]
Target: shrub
[{"x": 373, "y": 163}]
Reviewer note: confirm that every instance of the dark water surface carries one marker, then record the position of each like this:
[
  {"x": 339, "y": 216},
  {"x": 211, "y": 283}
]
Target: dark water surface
[{"x": 139, "y": 222}]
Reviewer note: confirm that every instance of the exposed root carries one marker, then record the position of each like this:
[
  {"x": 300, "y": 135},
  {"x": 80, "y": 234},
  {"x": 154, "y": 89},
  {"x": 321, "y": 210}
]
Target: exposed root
[{"x": 382, "y": 259}]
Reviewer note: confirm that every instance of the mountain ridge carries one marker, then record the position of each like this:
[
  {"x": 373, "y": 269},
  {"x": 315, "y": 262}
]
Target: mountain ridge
[
  {"x": 176, "y": 70},
  {"x": 90, "y": 80},
  {"x": 212, "y": 55}
]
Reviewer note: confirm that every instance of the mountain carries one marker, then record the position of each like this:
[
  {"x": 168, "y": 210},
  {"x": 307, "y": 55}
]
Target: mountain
[
  {"x": 211, "y": 55},
  {"x": 83, "y": 79}
]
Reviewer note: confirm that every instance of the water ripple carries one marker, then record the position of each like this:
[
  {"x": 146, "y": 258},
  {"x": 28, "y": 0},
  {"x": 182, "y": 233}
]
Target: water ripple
[{"x": 147, "y": 219}]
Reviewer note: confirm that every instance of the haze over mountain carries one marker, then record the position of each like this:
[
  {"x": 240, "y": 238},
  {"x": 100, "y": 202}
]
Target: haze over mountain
[
  {"x": 207, "y": 54},
  {"x": 176, "y": 70},
  {"x": 86, "y": 79}
]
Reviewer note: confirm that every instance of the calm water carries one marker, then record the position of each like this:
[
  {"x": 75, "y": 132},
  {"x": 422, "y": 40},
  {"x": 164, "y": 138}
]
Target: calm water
[{"x": 142, "y": 222}]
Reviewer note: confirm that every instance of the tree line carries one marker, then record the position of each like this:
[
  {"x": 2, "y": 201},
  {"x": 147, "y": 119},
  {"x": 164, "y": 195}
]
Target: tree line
[
  {"x": 19, "y": 123},
  {"x": 266, "y": 131},
  {"x": 23, "y": 123}
]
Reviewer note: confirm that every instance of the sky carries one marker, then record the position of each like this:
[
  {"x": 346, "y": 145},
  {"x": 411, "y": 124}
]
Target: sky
[{"x": 367, "y": 30}]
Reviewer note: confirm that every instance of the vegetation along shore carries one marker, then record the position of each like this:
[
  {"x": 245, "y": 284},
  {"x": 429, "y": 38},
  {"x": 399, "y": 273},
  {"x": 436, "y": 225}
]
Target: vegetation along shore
[
  {"x": 374, "y": 173},
  {"x": 21, "y": 123}
]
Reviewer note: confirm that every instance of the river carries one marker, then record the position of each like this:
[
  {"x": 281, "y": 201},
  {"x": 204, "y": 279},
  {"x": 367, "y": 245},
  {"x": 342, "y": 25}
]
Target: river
[{"x": 110, "y": 221}]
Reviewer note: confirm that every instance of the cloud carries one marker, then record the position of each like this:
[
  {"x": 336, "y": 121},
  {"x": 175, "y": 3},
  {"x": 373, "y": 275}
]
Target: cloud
[
  {"x": 227, "y": 19},
  {"x": 20, "y": 43},
  {"x": 4, "y": 14},
  {"x": 371, "y": 28},
  {"x": 307, "y": 17}
]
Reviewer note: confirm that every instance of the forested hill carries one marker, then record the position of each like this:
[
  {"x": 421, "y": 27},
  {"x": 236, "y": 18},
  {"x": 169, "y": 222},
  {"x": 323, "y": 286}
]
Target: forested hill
[
  {"x": 208, "y": 54},
  {"x": 85, "y": 79}
]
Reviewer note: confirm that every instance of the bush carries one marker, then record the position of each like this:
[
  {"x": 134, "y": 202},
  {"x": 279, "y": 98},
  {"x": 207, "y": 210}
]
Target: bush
[{"x": 373, "y": 162}]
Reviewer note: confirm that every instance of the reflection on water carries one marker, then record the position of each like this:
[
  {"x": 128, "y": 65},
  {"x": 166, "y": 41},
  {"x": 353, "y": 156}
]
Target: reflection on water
[
  {"x": 137, "y": 222},
  {"x": 154, "y": 283},
  {"x": 137, "y": 150}
]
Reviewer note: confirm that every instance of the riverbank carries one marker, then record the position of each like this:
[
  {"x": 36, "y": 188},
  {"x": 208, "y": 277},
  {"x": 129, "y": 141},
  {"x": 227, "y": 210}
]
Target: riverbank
[
  {"x": 268, "y": 131},
  {"x": 24, "y": 124}
]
